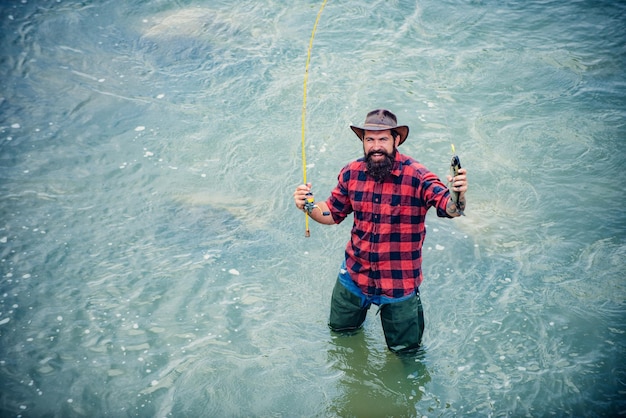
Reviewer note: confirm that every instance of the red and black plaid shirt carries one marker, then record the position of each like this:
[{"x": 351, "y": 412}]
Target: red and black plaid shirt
[{"x": 384, "y": 255}]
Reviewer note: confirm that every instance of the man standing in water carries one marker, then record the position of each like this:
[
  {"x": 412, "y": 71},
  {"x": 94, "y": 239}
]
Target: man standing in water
[{"x": 389, "y": 194}]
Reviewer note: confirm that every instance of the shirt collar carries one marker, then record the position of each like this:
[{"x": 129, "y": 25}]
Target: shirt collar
[{"x": 397, "y": 164}]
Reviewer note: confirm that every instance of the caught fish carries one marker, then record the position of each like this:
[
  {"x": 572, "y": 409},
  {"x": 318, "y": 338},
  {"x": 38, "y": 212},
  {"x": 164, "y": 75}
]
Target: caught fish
[{"x": 455, "y": 165}]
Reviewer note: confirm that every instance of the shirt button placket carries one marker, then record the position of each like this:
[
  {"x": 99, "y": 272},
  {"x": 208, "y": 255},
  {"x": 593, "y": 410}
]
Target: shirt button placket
[{"x": 375, "y": 228}]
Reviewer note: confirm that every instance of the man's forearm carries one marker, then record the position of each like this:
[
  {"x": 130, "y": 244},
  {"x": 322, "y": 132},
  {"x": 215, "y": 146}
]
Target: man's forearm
[
  {"x": 321, "y": 214},
  {"x": 453, "y": 209}
]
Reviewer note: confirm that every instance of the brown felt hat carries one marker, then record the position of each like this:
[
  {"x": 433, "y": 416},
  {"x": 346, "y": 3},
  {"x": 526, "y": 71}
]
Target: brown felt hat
[{"x": 381, "y": 120}]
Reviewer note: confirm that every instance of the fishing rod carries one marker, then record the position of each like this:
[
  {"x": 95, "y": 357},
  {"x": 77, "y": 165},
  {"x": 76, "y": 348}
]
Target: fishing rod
[{"x": 309, "y": 205}]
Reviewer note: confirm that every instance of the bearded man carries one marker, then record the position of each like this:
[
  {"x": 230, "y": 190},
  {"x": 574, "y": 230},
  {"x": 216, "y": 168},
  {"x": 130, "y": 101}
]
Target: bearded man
[{"x": 389, "y": 194}]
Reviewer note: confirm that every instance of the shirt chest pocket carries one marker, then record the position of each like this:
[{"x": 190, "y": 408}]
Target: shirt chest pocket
[{"x": 401, "y": 210}]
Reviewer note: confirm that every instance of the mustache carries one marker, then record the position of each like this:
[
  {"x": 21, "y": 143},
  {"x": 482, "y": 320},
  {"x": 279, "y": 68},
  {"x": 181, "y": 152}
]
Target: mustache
[{"x": 371, "y": 153}]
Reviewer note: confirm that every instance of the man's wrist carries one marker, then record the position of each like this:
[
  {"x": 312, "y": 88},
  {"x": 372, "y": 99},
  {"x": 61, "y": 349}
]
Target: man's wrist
[{"x": 452, "y": 208}]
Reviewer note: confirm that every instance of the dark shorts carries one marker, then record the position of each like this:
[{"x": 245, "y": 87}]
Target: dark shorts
[{"x": 403, "y": 322}]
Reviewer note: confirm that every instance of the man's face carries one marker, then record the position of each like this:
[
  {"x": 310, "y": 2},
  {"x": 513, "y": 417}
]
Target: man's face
[
  {"x": 377, "y": 145},
  {"x": 379, "y": 149}
]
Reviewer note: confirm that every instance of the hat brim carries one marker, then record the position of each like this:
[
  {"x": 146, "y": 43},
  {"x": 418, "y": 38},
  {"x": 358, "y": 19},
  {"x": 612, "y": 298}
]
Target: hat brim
[{"x": 402, "y": 130}]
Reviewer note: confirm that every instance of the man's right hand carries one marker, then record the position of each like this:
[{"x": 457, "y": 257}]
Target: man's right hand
[{"x": 300, "y": 195}]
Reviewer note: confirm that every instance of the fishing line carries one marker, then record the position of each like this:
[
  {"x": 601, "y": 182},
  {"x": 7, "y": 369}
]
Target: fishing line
[{"x": 307, "y": 233}]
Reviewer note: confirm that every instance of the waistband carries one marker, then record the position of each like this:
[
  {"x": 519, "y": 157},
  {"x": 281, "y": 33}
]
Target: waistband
[{"x": 348, "y": 283}]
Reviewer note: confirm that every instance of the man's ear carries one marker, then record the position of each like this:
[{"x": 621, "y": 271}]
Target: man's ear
[{"x": 397, "y": 140}]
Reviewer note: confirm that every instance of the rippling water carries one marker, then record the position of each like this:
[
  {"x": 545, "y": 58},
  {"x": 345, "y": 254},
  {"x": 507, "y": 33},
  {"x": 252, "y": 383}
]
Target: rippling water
[{"x": 151, "y": 260}]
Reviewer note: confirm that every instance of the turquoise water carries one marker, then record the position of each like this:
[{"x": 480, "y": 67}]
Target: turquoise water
[{"x": 152, "y": 262}]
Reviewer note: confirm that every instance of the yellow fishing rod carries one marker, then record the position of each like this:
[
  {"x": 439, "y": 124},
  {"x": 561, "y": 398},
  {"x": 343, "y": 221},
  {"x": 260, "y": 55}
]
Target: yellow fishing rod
[{"x": 309, "y": 202}]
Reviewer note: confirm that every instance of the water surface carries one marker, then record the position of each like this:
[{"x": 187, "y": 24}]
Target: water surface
[{"x": 152, "y": 262}]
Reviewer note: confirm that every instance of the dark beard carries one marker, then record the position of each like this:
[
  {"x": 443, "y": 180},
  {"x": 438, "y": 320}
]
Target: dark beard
[{"x": 379, "y": 170}]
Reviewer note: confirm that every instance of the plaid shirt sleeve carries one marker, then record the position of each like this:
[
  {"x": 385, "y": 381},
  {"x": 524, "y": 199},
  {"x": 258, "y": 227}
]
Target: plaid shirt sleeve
[{"x": 384, "y": 255}]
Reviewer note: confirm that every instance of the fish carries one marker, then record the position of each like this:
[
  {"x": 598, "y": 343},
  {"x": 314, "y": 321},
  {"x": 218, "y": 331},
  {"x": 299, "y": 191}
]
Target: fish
[{"x": 455, "y": 165}]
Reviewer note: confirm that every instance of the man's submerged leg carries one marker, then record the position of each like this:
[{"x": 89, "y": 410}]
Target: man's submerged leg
[
  {"x": 346, "y": 310},
  {"x": 403, "y": 324}
]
